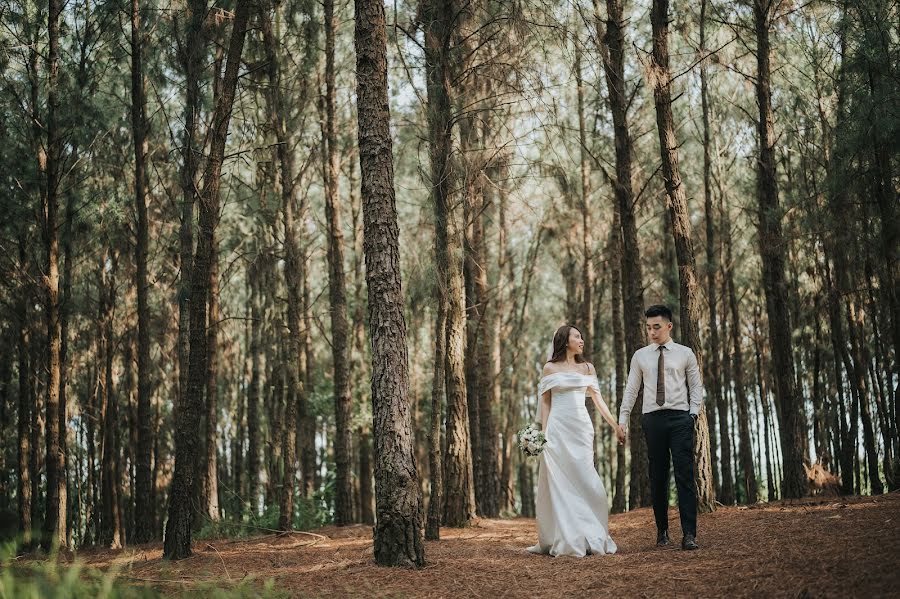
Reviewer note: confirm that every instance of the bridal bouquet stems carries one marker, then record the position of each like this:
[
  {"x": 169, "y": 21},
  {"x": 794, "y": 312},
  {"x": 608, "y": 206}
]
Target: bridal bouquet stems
[{"x": 531, "y": 440}]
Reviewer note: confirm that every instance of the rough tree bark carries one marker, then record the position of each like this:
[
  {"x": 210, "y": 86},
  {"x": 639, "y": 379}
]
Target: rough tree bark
[
  {"x": 399, "y": 528},
  {"x": 194, "y": 47}
]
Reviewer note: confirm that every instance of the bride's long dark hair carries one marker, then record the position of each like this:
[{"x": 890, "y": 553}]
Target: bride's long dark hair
[{"x": 561, "y": 342}]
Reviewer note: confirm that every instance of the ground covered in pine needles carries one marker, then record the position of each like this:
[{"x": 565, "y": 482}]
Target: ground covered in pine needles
[{"x": 818, "y": 547}]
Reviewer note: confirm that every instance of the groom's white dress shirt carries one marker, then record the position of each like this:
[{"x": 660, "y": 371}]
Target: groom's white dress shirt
[{"x": 684, "y": 388}]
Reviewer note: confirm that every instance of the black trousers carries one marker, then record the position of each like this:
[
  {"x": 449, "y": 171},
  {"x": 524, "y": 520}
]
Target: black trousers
[{"x": 671, "y": 431}]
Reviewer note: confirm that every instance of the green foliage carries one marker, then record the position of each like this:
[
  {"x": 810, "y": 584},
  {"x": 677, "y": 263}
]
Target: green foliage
[
  {"x": 308, "y": 514},
  {"x": 54, "y": 580}
]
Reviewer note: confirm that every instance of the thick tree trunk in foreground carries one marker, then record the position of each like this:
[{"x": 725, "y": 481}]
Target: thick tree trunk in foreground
[{"x": 399, "y": 529}]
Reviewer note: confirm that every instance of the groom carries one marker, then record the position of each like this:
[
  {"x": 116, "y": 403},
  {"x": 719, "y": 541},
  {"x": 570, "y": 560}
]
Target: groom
[{"x": 673, "y": 394}]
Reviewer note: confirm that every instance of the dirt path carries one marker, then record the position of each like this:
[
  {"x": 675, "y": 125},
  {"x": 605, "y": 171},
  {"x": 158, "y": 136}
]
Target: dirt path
[{"x": 817, "y": 548}]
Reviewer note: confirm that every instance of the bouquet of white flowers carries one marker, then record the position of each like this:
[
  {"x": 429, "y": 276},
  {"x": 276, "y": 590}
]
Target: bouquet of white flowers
[{"x": 531, "y": 440}]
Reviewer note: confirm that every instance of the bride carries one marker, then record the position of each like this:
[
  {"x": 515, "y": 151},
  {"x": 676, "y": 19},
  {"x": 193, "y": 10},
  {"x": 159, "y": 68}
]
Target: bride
[{"x": 572, "y": 507}]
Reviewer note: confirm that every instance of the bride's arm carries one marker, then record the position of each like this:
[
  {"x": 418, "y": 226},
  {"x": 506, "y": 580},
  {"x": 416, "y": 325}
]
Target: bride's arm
[
  {"x": 601, "y": 405},
  {"x": 545, "y": 410},
  {"x": 604, "y": 409}
]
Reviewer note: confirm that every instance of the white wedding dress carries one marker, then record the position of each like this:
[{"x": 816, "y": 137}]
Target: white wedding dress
[{"x": 572, "y": 507}]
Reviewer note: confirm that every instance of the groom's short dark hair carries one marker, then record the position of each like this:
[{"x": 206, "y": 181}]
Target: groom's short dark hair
[{"x": 659, "y": 310}]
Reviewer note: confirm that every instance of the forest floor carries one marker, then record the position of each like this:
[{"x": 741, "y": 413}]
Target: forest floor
[{"x": 819, "y": 547}]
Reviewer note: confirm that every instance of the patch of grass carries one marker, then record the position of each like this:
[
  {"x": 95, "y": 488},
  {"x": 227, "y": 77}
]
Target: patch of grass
[{"x": 51, "y": 579}]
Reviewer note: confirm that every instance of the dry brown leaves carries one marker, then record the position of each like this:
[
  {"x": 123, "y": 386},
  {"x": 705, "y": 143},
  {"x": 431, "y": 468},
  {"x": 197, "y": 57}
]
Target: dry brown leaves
[{"x": 813, "y": 548}]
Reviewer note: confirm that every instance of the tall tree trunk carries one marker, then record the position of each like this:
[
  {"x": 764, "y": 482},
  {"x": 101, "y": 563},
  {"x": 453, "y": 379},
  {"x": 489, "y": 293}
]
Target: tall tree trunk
[
  {"x": 475, "y": 284},
  {"x": 305, "y": 417},
  {"x": 882, "y": 90},
  {"x": 144, "y": 516},
  {"x": 772, "y": 247},
  {"x": 55, "y": 518},
  {"x": 253, "y": 428},
  {"x": 612, "y": 49},
  {"x": 110, "y": 532},
  {"x": 833, "y": 256},
  {"x": 497, "y": 174},
  {"x": 238, "y": 454},
  {"x": 366, "y": 500},
  {"x": 194, "y": 46},
  {"x": 459, "y": 484},
  {"x": 771, "y": 479},
  {"x": 820, "y": 404},
  {"x": 438, "y": 389},
  {"x": 713, "y": 373},
  {"x": 478, "y": 351},
  {"x": 586, "y": 309},
  {"x": 6, "y": 360},
  {"x": 744, "y": 444},
  {"x": 293, "y": 265},
  {"x": 615, "y": 244},
  {"x": 209, "y": 506},
  {"x": 26, "y": 402},
  {"x": 838, "y": 345},
  {"x": 399, "y": 528},
  {"x": 725, "y": 421},
  {"x": 681, "y": 229},
  {"x": 65, "y": 311},
  {"x": 38, "y": 432},
  {"x": 859, "y": 350},
  {"x": 177, "y": 542},
  {"x": 360, "y": 364},
  {"x": 337, "y": 291}
]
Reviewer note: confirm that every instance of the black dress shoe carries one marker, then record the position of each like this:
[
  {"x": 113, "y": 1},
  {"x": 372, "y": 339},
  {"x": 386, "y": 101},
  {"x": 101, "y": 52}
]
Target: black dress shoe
[
  {"x": 662, "y": 538},
  {"x": 689, "y": 543}
]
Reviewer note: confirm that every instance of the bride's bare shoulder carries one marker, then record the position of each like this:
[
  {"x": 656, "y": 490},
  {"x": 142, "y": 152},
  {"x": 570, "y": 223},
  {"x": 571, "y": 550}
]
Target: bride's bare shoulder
[
  {"x": 549, "y": 368},
  {"x": 590, "y": 368}
]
